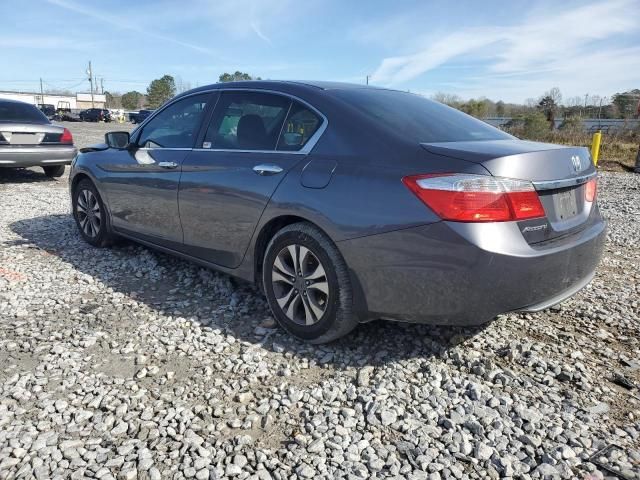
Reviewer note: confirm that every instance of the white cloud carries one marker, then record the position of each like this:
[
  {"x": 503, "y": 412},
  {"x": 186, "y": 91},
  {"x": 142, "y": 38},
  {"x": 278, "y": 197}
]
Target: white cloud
[
  {"x": 120, "y": 22},
  {"x": 576, "y": 48},
  {"x": 258, "y": 32},
  {"x": 245, "y": 18}
]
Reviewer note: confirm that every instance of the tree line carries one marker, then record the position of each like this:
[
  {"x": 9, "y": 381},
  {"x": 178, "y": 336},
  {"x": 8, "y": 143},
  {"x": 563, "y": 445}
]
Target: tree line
[{"x": 621, "y": 105}]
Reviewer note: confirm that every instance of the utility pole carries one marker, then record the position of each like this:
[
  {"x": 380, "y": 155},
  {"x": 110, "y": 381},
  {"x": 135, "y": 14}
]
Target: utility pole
[
  {"x": 368, "y": 79},
  {"x": 41, "y": 92},
  {"x": 600, "y": 111},
  {"x": 90, "y": 73},
  {"x": 102, "y": 85}
]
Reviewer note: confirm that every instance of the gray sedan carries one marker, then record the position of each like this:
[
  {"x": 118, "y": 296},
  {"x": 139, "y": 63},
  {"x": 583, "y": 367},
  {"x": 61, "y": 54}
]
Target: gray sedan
[
  {"x": 346, "y": 203},
  {"x": 29, "y": 139}
]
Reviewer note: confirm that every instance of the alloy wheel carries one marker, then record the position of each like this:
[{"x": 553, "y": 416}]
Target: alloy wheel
[
  {"x": 89, "y": 214},
  {"x": 300, "y": 284}
]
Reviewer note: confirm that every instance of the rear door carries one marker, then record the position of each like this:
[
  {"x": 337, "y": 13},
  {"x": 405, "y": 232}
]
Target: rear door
[
  {"x": 253, "y": 140},
  {"x": 142, "y": 182}
]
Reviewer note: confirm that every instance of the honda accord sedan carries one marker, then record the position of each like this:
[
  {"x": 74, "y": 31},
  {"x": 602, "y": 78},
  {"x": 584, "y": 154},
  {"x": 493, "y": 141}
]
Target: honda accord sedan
[
  {"x": 29, "y": 139},
  {"x": 346, "y": 203}
]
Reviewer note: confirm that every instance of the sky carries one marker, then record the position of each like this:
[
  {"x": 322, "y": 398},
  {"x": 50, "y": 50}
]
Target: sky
[{"x": 503, "y": 50}]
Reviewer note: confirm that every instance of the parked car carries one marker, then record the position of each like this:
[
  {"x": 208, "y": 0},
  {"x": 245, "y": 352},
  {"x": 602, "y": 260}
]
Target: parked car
[
  {"x": 348, "y": 203},
  {"x": 95, "y": 115},
  {"x": 28, "y": 139},
  {"x": 140, "y": 117},
  {"x": 48, "y": 110}
]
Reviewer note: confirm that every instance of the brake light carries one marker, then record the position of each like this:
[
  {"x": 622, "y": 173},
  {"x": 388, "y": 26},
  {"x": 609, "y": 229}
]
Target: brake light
[
  {"x": 590, "y": 190},
  {"x": 66, "y": 136},
  {"x": 476, "y": 198}
]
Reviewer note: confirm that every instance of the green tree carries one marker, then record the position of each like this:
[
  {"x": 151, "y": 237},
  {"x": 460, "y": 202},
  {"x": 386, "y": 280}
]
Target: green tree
[
  {"x": 477, "y": 108},
  {"x": 627, "y": 102},
  {"x": 131, "y": 100},
  {"x": 500, "y": 108},
  {"x": 236, "y": 77},
  {"x": 160, "y": 90},
  {"x": 548, "y": 106},
  {"x": 536, "y": 126}
]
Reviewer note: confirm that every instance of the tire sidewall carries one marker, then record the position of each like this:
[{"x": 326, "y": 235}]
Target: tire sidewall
[
  {"x": 103, "y": 235},
  {"x": 54, "y": 171},
  {"x": 328, "y": 319}
]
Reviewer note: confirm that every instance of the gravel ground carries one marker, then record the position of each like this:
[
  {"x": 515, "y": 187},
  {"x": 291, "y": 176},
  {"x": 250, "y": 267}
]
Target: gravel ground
[{"x": 128, "y": 363}]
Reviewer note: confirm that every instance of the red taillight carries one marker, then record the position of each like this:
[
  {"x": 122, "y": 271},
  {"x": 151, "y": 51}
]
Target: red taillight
[
  {"x": 66, "y": 136},
  {"x": 590, "y": 190},
  {"x": 476, "y": 198}
]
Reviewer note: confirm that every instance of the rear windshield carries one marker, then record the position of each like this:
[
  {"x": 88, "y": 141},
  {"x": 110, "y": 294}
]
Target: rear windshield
[
  {"x": 16, "y": 112},
  {"x": 417, "y": 118}
]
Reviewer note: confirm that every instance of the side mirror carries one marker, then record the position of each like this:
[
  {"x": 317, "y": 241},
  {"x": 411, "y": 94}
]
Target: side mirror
[{"x": 119, "y": 140}]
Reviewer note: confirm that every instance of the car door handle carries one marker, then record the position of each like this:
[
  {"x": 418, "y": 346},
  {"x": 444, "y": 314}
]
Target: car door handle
[
  {"x": 167, "y": 164},
  {"x": 265, "y": 169}
]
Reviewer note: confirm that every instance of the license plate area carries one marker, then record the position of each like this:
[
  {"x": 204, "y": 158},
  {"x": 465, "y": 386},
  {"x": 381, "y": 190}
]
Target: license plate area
[
  {"x": 26, "y": 138},
  {"x": 565, "y": 204}
]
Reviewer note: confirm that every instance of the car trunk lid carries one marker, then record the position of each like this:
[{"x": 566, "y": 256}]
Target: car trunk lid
[
  {"x": 559, "y": 175},
  {"x": 25, "y": 134}
]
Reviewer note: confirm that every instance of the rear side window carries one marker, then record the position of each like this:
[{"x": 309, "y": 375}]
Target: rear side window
[
  {"x": 417, "y": 118},
  {"x": 177, "y": 125},
  {"x": 21, "y": 113},
  {"x": 299, "y": 127},
  {"x": 247, "y": 121}
]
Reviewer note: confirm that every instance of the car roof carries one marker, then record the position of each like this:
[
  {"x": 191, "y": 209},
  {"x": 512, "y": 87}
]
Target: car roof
[{"x": 283, "y": 84}]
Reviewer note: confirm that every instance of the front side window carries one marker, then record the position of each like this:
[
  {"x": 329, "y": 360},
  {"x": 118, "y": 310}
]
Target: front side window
[
  {"x": 299, "y": 127},
  {"x": 247, "y": 121},
  {"x": 177, "y": 125}
]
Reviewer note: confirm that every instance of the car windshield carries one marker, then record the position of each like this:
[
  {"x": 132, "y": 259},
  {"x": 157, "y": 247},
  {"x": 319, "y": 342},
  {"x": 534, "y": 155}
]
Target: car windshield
[
  {"x": 16, "y": 112},
  {"x": 418, "y": 118}
]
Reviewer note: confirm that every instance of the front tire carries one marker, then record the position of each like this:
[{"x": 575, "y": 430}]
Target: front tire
[
  {"x": 91, "y": 215},
  {"x": 307, "y": 284},
  {"x": 54, "y": 171}
]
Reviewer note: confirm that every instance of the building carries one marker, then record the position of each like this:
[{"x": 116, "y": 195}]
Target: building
[{"x": 79, "y": 101}]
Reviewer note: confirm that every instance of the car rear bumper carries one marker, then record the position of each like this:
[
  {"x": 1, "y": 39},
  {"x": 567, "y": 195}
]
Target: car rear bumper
[
  {"x": 466, "y": 274},
  {"x": 36, "y": 156}
]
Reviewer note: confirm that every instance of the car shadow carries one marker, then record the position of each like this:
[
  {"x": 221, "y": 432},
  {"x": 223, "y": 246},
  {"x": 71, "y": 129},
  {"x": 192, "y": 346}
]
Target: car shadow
[
  {"x": 236, "y": 307},
  {"x": 25, "y": 175}
]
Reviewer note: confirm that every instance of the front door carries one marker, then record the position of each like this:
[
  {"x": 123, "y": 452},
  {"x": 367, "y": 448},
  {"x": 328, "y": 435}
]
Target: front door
[
  {"x": 252, "y": 141},
  {"x": 142, "y": 185}
]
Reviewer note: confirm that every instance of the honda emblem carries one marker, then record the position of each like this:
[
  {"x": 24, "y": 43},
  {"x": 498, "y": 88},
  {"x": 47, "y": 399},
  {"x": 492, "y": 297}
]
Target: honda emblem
[{"x": 577, "y": 164}]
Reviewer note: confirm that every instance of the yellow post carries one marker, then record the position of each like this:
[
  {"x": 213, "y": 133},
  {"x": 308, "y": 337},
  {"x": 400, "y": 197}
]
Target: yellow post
[{"x": 595, "y": 147}]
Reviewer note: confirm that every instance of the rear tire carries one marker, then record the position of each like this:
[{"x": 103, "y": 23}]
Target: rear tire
[
  {"x": 54, "y": 171},
  {"x": 307, "y": 284},
  {"x": 91, "y": 215}
]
